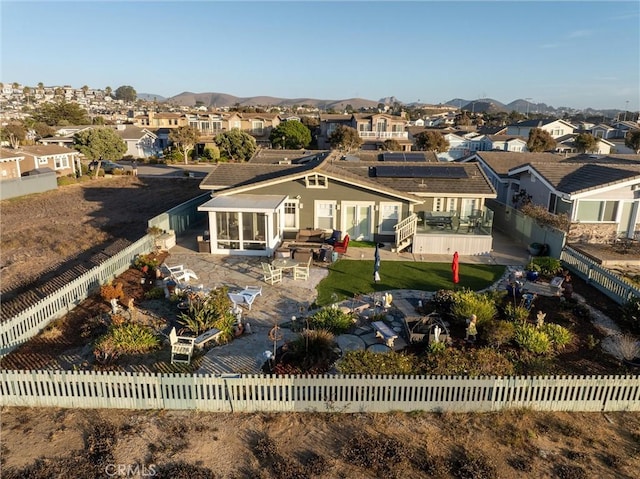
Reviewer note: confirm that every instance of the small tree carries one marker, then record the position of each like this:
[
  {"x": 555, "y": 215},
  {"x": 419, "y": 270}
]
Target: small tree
[
  {"x": 14, "y": 133},
  {"x": 586, "y": 143},
  {"x": 290, "y": 134},
  {"x": 392, "y": 145},
  {"x": 540, "y": 140},
  {"x": 126, "y": 93},
  {"x": 345, "y": 138},
  {"x": 632, "y": 140},
  {"x": 431, "y": 141},
  {"x": 185, "y": 138},
  {"x": 100, "y": 144},
  {"x": 236, "y": 145}
]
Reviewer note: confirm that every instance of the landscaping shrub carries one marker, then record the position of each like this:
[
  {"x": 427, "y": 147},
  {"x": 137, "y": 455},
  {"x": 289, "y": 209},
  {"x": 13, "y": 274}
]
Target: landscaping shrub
[
  {"x": 515, "y": 313},
  {"x": 471, "y": 465},
  {"x": 474, "y": 362},
  {"x": 210, "y": 311},
  {"x": 66, "y": 180},
  {"x": 111, "y": 291},
  {"x": 443, "y": 301},
  {"x": 631, "y": 313},
  {"x": 368, "y": 362},
  {"x": 469, "y": 302},
  {"x": 547, "y": 265},
  {"x": 496, "y": 333},
  {"x": 146, "y": 262},
  {"x": 331, "y": 319},
  {"x": 312, "y": 349},
  {"x": 378, "y": 453},
  {"x": 532, "y": 339},
  {"x": 126, "y": 338},
  {"x": 558, "y": 335},
  {"x": 154, "y": 293}
]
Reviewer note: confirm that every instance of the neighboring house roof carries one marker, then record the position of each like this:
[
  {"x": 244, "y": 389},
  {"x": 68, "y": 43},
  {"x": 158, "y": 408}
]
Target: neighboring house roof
[
  {"x": 232, "y": 175},
  {"x": 269, "y": 156},
  {"x": 335, "y": 117},
  {"x": 539, "y": 123},
  {"x": 501, "y": 162},
  {"x": 507, "y": 138},
  {"x": 44, "y": 150},
  {"x": 492, "y": 130},
  {"x": 7, "y": 154},
  {"x": 576, "y": 178},
  {"x": 131, "y": 132}
]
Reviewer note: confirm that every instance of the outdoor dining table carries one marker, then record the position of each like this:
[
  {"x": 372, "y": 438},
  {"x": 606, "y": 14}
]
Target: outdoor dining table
[{"x": 284, "y": 263}]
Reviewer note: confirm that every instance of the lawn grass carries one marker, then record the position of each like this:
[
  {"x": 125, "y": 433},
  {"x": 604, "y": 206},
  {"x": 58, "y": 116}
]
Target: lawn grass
[
  {"x": 348, "y": 278},
  {"x": 362, "y": 244}
]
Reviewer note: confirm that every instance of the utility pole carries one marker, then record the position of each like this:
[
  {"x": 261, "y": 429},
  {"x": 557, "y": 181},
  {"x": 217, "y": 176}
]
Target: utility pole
[
  {"x": 528, "y": 100},
  {"x": 626, "y": 107}
]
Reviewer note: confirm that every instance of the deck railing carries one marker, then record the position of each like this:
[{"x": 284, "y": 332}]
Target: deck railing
[
  {"x": 378, "y": 135},
  {"x": 405, "y": 229},
  {"x": 347, "y": 394},
  {"x": 599, "y": 277}
]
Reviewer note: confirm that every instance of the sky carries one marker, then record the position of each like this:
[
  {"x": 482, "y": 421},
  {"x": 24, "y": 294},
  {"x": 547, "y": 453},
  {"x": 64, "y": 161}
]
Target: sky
[{"x": 576, "y": 54}]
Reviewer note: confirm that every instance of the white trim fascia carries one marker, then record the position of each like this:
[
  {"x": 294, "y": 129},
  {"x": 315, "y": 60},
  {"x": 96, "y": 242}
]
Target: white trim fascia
[{"x": 604, "y": 189}]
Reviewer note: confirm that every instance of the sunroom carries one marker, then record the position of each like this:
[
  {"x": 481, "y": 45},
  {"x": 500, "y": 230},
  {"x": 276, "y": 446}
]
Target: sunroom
[{"x": 245, "y": 224}]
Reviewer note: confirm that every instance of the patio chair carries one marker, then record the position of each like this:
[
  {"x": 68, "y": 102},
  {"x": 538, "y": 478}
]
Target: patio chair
[
  {"x": 341, "y": 246},
  {"x": 178, "y": 273},
  {"x": 302, "y": 272},
  {"x": 180, "y": 346},
  {"x": 271, "y": 275},
  {"x": 246, "y": 296}
]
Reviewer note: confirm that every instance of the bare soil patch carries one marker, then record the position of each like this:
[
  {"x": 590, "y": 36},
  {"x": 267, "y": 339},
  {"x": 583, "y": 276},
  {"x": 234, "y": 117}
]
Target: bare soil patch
[
  {"x": 46, "y": 234},
  {"x": 44, "y": 443}
]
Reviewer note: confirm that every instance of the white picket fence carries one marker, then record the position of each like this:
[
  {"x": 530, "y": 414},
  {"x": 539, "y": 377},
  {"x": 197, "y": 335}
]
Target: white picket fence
[
  {"x": 24, "y": 326},
  {"x": 346, "y": 394},
  {"x": 598, "y": 277}
]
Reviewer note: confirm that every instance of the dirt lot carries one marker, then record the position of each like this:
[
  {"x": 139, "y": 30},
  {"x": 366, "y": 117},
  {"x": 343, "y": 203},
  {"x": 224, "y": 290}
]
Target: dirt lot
[
  {"x": 41, "y": 233},
  {"x": 45, "y": 443}
]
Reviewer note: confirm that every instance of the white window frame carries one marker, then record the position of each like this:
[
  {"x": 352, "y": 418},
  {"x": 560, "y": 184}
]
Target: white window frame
[
  {"x": 43, "y": 160},
  {"x": 257, "y": 127},
  {"x": 63, "y": 160},
  {"x": 382, "y": 215},
  {"x": 294, "y": 203},
  {"x": 601, "y": 212},
  {"x": 320, "y": 206},
  {"x": 316, "y": 181}
]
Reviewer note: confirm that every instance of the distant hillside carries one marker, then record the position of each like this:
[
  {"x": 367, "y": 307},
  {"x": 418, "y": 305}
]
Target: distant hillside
[
  {"x": 151, "y": 97},
  {"x": 221, "y": 100}
]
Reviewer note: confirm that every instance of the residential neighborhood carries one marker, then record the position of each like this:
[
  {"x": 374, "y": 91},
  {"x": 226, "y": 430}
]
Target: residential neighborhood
[{"x": 320, "y": 240}]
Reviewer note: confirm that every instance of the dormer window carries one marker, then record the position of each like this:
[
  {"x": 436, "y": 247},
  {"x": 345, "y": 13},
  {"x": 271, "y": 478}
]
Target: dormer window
[{"x": 316, "y": 181}]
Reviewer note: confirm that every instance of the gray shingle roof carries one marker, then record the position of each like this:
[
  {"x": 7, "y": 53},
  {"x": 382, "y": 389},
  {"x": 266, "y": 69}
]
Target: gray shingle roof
[{"x": 579, "y": 177}]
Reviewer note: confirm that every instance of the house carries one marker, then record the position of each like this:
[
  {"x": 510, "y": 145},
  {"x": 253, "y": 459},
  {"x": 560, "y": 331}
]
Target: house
[
  {"x": 160, "y": 120},
  {"x": 408, "y": 199},
  {"x": 496, "y": 165},
  {"x": 621, "y": 128},
  {"x": 556, "y": 128},
  {"x": 10, "y": 164},
  {"x": 141, "y": 143},
  {"x": 507, "y": 143},
  {"x": 60, "y": 159},
  {"x": 603, "y": 131},
  {"x": 601, "y": 197},
  {"x": 373, "y": 128},
  {"x": 566, "y": 144}
]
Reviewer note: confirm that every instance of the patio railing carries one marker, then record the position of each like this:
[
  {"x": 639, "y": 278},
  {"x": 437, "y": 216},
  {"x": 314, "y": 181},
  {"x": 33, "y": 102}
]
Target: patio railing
[
  {"x": 347, "y": 394},
  {"x": 600, "y": 278}
]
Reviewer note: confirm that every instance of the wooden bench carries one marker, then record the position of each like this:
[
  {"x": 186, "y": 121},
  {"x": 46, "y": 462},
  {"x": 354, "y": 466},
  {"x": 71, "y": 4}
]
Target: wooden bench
[
  {"x": 385, "y": 333},
  {"x": 204, "y": 338}
]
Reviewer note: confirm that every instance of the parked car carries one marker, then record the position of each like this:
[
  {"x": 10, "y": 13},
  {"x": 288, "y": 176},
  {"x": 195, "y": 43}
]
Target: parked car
[{"x": 107, "y": 166}]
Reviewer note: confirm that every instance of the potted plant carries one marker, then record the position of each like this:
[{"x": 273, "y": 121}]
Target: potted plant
[
  {"x": 535, "y": 249},
  {"x": 533, "y": 271}
]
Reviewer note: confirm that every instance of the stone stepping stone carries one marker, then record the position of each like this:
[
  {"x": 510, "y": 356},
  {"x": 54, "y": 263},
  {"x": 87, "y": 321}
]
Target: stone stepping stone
[
  {"x": 379, "y": 348},
  {"x": 350, "y": 342}
]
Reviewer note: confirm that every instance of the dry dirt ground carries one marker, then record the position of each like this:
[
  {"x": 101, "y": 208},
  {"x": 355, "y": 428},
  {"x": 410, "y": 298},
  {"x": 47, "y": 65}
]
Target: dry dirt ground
[
  {"x": 43, "y": 234},
  {"x": 46, "y": 443}
]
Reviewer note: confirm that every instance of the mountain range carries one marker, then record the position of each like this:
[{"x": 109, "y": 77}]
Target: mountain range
[{"x": 480, "y": 105}]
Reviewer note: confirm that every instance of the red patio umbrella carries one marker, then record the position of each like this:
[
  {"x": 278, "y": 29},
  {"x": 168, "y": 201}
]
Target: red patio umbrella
[{"x": 454, "y": 268}]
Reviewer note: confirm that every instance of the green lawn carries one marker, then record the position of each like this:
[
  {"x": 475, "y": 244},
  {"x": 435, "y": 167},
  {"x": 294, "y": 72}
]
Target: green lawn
[{"x": 347, "y": 278}]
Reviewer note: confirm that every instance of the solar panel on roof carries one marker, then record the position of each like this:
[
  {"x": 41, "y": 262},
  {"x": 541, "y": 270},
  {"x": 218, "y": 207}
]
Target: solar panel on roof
[
  {"x": 451, "y": 172},
  {"x": 401, "y": 156}
]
